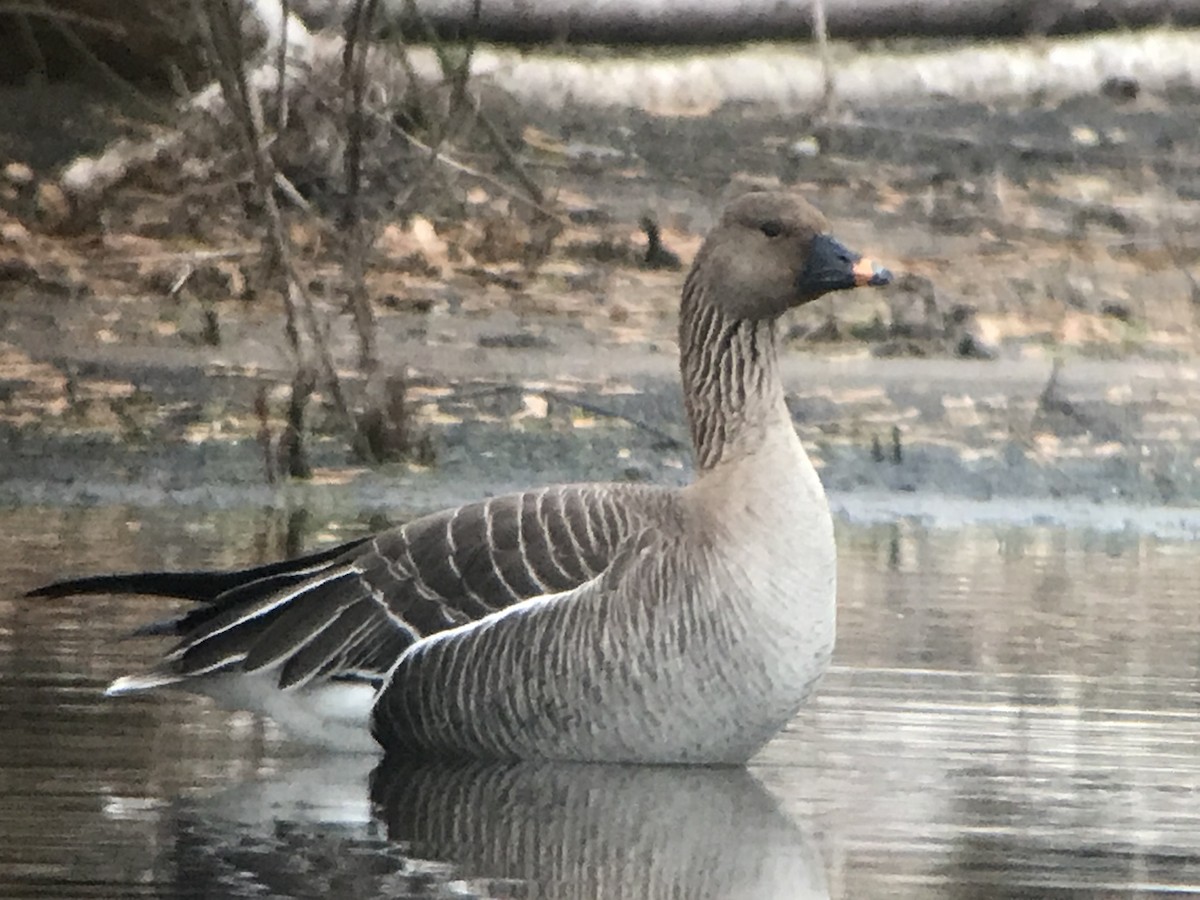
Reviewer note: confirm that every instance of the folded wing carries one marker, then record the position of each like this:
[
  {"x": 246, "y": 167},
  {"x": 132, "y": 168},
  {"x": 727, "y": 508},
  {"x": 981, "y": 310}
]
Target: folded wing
[{"x": 353, "y": 610}]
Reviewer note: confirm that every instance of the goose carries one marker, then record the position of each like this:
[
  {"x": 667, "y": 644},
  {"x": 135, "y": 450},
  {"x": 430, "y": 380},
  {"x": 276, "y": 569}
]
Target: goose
[{"x": 609, "y": 623}]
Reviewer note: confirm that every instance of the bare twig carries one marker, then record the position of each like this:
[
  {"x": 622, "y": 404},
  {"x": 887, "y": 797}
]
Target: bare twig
[
  {"x": 462, "y": 75},
  {"x": 821, "y": 33},
  {"x": 223, "y": 36},
  {"x": 443, "y": 125},
  {"x": 510, "y": 158},
  {"x": 414, "y": 97},
  {"x": 43, "y": 10},
  {"x": 32, "y": 47},
  {"x": 667, "y": 440},
  {"x": 446, "y": 125},
  {"x": 292, "y": 454},
  {"x": 451, "y": 163},
  {"x": 281, "y": 55},
  {"x": 664, "y": 438},
  {"x": 387, "y": 425},
  {"x": 430, "y": 35},
  {"x": 458, "y": 76},
  {"x": 264, "y": 437},
  {"x": 106, "y": 71},
  {"x": 297, "y": 199},
  {"x": 357, "y": 243}
]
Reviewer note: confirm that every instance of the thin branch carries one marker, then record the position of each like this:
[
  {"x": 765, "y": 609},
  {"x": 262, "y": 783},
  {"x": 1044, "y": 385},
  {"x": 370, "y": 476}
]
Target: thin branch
[
  {"x": 510, "y": 158},
  {"x": 410, "y": 72},
  {"x": 664, "y": 438},
  {"x": 451, "y": 163},
  {"x": 40, "y": 71},
  {"x": 821, "y": 33},
  {"x": 354, "y": 78},
  {"x": 456, "y": 72},
  {"x": 281, "y": 53},
  {"x": 431, "y": 35},
  {"x": 459, "y": 76},
  {"x": 106, "y": 71},
  {"x": 43, "y": 11},
  {"x": 224, "y": 37},
  {"x": 298, "y": 200},
  {"x": 353, "y": 86}
]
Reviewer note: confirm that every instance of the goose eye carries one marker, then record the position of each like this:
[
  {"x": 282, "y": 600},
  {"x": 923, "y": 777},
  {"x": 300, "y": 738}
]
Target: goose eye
[{"x": 771, "y": 229}]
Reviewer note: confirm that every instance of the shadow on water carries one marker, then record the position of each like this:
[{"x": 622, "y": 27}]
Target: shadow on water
[{"x": 1014, "y": 712}]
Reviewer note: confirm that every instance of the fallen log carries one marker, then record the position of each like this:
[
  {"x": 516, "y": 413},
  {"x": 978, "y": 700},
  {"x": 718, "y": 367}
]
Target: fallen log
[
  {"x": 793, "y": 77},
  {"x": 151, "y": 38},
  {"x": 790, "y": 77},
  {"x": 716, "y": 21}
]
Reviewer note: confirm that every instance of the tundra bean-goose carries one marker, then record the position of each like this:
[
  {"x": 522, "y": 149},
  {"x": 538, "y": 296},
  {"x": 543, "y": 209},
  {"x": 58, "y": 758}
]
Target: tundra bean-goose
[{"x": 601, "y": 622}]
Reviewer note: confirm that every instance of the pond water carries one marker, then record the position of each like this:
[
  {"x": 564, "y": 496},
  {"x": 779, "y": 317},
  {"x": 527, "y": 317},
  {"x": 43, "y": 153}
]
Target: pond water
[{"x": 1014, "y": 711}]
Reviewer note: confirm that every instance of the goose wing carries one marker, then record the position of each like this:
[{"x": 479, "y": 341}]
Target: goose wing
[
  {"x": 573, "y": 675},
  {"x": 353, "y": 610}
]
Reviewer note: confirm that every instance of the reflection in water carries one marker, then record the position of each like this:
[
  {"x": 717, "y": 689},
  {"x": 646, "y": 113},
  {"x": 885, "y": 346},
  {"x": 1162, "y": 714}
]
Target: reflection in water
[
  {"x": 604, "y": 831},
  {"x": 962, "y": 785},
  {"x": 526, "y": 830},
  {"x": 1013, "y": 712},
  {"x": 304, "y": 831}
]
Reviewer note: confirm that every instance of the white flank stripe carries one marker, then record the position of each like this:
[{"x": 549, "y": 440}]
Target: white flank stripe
[{"x": 260, "y": 611}]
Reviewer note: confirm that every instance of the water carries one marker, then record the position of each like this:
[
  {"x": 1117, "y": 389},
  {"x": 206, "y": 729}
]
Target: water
[{"x": 1014, "y": 712}]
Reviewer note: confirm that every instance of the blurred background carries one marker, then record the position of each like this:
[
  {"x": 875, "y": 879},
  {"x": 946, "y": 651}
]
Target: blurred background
[{"x": 275, "y": 274}]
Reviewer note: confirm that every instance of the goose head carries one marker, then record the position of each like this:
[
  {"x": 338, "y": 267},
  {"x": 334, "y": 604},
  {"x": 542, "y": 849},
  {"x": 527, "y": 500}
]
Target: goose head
[{"x": 772, "y": 251}]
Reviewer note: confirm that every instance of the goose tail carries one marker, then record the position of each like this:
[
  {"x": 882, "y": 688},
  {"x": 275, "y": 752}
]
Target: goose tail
[{"x": 216, "y": 590}]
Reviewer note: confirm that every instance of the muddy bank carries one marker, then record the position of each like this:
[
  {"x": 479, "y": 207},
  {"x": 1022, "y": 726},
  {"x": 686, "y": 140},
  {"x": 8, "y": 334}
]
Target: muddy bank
[
  {"x": 1024, "y": 234},
  {"x": 1112, "y": 433}
]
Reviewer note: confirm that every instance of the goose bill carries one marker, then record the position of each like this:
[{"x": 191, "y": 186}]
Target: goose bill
[{"x": 832, "y": 266}]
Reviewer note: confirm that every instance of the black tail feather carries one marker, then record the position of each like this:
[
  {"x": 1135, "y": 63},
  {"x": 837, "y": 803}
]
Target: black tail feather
[
  {"x": 200, "y": 586},
  {"x": 186, "y": 585},
  {"x": 158, "y": 627},
  {"x": 245, "y": 592}
]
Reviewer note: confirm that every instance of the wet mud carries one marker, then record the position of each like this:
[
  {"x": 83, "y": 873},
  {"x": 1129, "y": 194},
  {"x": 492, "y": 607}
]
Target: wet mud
[{"x": 1039, "y": 342}]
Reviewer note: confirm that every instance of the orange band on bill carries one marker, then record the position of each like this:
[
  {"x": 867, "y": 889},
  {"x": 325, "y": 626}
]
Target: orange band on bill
[{"x": 866, "y": 271}]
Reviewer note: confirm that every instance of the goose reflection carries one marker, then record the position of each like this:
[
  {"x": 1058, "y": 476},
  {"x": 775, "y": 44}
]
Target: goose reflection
[
  {"x": 333, "y": 828},
  {"x": 601, "y": 831}
]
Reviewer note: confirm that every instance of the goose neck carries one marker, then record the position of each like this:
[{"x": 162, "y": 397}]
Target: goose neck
[{"x": 731, "y": 384}]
